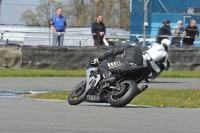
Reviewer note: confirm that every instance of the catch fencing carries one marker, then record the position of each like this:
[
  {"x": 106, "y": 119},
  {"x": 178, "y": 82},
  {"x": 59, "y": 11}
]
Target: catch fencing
[{"x": 28, "y": 23}]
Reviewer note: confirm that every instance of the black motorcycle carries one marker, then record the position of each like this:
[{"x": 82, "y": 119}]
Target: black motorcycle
[{"x": 118, "y": 90}]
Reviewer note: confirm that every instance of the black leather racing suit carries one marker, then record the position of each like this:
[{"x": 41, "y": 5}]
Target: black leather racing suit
[{"x": 131, "y": 56}]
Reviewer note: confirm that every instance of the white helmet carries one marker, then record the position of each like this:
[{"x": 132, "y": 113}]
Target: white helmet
[{"x": 166, "y": 42}]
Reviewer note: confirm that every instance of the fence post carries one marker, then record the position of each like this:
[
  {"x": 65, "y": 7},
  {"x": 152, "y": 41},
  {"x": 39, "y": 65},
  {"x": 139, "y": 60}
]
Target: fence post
[
  {"x": 79, "y": 42},
  {"x": 146, "y": 2},
  {"x": 7, "y": 39},
  {"x": 0, "y": 10}
]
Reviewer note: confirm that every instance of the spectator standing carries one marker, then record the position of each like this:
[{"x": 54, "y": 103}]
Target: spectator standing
[
  {"x": 58, "y": 25},
  {"x": 177, "y": 33},
  {"x": 163, "y": 31},
  {"x": 98, "y": 30},
  {"x": 191, "y": 31}
]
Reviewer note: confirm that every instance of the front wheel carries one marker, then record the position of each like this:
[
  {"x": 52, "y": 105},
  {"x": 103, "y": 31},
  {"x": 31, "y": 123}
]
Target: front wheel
[
  {"x": 121, "y": 97},
  {"x": 76, "y": 96}
]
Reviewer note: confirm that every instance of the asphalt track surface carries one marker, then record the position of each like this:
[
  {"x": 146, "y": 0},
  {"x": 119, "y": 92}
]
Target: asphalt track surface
[
  {"x": 63, "y": 83},
  {"x": 20, "y": 115}
]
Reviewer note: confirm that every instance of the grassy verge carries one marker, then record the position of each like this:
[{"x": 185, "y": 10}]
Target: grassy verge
[
  {"x": 82, "y": 73},
  {"x": 180, "y": 74},
  {"x": 169, "y": 98},
  {"x": 41, "y": 73},
  {"x": 153, "y": 97},
  {"x": 60, "y": 95}
]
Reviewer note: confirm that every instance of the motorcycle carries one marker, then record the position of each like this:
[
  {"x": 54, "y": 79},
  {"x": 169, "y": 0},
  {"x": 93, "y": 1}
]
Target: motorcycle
[{"x": 118, "y": 90}]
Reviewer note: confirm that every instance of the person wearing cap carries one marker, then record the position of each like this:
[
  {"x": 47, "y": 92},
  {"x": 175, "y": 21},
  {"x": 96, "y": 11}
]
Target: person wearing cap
[
  {"x": 177, "y": 33},
  {"x": 192, "y": 32},
  {"x": 164, "y": 31}
]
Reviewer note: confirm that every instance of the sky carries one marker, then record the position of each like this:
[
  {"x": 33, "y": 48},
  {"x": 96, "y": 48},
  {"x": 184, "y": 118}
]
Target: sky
[
  {"x": 20, "y": 1},
  {"x": 11, "y": 10},
  {"x": 26, "y": 1}
]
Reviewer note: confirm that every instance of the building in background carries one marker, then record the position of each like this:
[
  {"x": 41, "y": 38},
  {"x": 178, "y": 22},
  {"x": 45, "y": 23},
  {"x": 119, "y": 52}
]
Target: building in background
[{"x": 159, "y": 10}]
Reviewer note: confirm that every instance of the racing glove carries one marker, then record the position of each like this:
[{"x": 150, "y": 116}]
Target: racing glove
[{"x": 98, "y": 60}]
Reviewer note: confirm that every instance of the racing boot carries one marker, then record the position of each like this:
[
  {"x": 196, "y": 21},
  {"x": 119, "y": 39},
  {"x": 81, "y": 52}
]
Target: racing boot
[{"x": 152, "y": 77}]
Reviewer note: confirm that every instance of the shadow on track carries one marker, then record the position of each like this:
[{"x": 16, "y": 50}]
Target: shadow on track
[
  {"x": 108, "y": 105},
  {"x": 169, "y": 82}
]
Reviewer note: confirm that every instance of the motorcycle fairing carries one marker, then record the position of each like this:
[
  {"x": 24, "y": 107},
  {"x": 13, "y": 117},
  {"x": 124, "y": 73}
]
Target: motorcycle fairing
[
  {"x": 92, "y": 80},
  {"x": 137, "y": 73}
]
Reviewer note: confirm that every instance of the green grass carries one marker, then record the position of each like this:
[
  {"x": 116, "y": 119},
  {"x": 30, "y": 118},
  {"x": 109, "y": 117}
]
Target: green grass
[
  {"x": 169, "y": 98},
  {"x": 82, "y": 73},
  {"x": 41, "y": 73},
  {"x": 60, "y": 95},
  {"x": 180, "y": 74},
  {"x": 152, "y": 97}
]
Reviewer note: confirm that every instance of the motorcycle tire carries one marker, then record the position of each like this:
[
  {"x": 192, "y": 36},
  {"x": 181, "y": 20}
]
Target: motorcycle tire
[
  {"x": 131, "y": 91},
  {"x": 80, "y": 98}
]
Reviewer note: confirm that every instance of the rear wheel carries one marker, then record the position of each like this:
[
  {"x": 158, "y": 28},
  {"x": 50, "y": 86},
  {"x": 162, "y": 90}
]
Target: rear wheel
[
  {"x": 76, "y": 96},
  {"x": 121, "y": 97}
]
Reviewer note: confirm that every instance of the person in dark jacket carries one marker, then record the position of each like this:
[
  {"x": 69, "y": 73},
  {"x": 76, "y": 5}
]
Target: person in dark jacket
[
  {"x": 164, "y": 31},
  {"x": 131, "y": 56},
  {"x": 98, "y": 31},
  {"x": 192, "y": 32}
]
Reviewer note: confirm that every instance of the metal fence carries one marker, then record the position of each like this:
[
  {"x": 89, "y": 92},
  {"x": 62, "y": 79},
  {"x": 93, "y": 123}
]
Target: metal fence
[
  {"x": 28, "y": 23},
  {"x": 15, "y": 29},
  {"x": 44, "y": 36}
]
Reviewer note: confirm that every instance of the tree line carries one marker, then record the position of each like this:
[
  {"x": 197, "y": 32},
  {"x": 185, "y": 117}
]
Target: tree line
[{"x": 81, "y": 13}]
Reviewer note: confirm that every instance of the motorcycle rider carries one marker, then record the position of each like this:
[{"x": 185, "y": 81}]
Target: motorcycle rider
[
  {"x": 156, "y": 53},
  {"x": 131, "y": 57}
]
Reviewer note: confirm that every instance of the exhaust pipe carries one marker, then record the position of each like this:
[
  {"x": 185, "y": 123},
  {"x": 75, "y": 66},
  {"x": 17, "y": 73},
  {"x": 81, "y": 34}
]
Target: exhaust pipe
[{"x": 143, "y": 88}]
